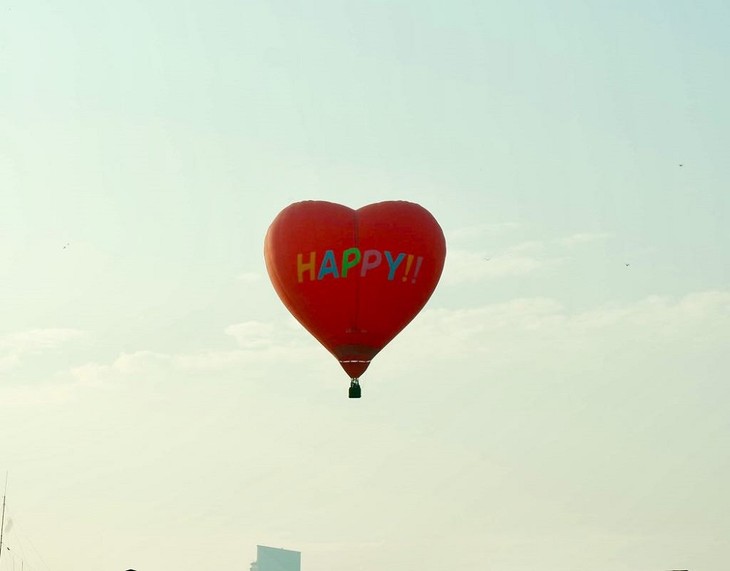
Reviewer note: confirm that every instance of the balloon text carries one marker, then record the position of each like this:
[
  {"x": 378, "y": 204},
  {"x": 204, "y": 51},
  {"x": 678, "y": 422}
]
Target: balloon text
[{"x": 351, "y": 258}]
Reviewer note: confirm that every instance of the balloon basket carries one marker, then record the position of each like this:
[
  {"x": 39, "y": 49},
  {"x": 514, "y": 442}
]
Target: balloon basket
[{"x": 355, "y": 391}]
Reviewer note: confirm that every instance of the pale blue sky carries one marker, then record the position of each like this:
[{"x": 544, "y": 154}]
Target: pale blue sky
[{"x": 550, "y": 407}]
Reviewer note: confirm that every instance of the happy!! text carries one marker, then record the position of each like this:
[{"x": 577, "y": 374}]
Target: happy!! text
[{"x": 350, "y": 259}]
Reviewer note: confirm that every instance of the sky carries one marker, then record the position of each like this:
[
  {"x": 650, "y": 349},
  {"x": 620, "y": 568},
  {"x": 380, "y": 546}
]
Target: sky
[{"x": 561, "y": 402}]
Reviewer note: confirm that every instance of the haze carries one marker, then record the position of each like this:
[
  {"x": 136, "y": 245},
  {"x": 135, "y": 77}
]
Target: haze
[{"x": 562, "y": 401}]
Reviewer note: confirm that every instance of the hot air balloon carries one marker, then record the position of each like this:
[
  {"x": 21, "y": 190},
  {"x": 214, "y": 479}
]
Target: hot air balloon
[{"x": 354, "y": 278}]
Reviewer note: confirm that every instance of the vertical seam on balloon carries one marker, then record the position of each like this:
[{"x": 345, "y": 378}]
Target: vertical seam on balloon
[{"x": 356, "y": 239}]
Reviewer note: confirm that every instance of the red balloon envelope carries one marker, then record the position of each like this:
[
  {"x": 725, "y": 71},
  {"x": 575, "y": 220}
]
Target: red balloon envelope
[{"x": 354, "y": 278}]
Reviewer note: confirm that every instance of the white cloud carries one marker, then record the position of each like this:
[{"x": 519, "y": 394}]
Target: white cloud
[
  {"x": 259, "y": 343},
  {"x": 90, "y": 374},
  {"x": 15, "y": 346},
  {"x": 38, "y": 339},
  {"x": 524, "y": 333},
  {"x": 466, "y": 266},
  {"x": 479, "y": 263},
  {"x": 137, "y": 364},
  {"x": 529, "y": 329},
  {"x": 209, "y": 360},
  {"x": 583, "y": 238},
  {"x": 259, "y": 346},
  {"x": 249, "y": 277},
  {"x": 468, "y": 233},
  {"x": 529, "y": 246},
  {"x": 661, "y": 311},
  {"x": 37, "y": 395},
  {"x": 252, "y": 334}
]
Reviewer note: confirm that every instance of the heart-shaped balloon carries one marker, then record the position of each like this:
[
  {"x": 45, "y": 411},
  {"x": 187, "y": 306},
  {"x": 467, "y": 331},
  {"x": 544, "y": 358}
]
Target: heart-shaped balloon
[{"x": 354, "y": 278}]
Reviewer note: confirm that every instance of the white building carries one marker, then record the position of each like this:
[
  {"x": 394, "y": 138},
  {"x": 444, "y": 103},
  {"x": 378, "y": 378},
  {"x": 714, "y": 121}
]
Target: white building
[{"x": 275, "y": 559}]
